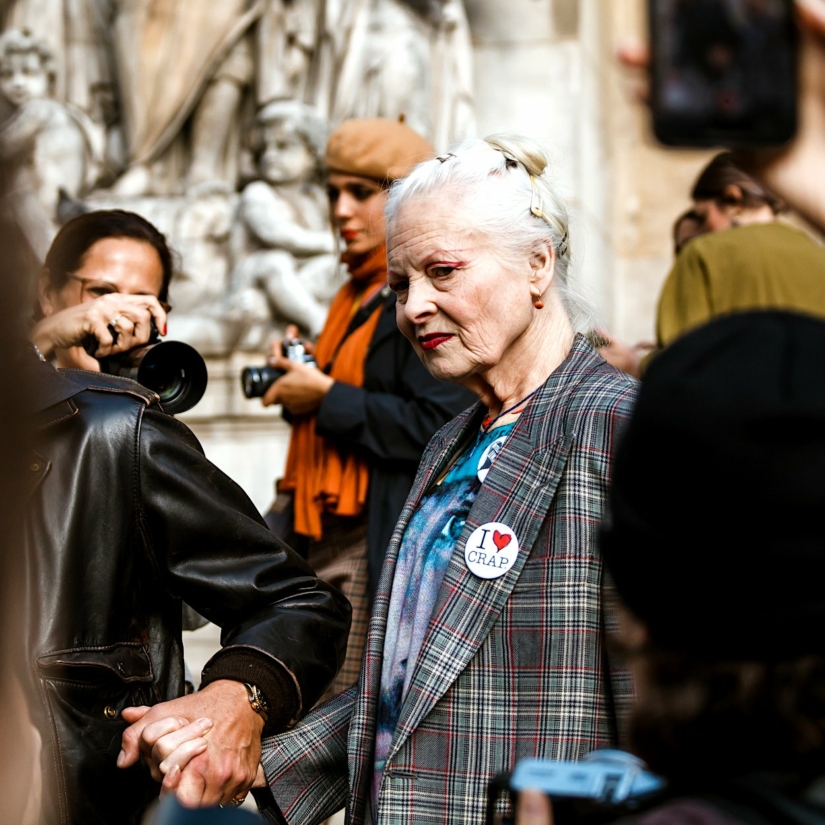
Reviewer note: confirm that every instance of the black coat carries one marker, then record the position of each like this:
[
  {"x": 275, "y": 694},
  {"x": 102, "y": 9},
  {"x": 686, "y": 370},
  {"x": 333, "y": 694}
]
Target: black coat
[
  {"x": 389, "y": 421},
  {"x": 126, "y": 518}
]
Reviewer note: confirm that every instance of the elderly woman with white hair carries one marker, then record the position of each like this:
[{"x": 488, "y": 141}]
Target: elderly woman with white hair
[{"x": 486, "y": 642}]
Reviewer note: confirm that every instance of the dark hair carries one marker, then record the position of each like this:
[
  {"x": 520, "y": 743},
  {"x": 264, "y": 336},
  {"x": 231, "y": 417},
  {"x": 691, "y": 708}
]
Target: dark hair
[
  {"x": 687, "y": 218},
  {"x": 722, "y": 172},
  {"x": 720, "y": 719},
  {"x": 77, "y": 236}
]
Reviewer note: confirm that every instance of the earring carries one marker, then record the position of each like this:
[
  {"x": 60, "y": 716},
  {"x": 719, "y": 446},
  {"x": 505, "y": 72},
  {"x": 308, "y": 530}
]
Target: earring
[
  {"x": 536, "y": 296},
  {"x": 538, "y": 303}
]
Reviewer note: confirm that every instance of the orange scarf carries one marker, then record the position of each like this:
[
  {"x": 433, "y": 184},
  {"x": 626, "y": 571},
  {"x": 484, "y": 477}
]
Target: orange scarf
[{"x": 323, "y": 479}]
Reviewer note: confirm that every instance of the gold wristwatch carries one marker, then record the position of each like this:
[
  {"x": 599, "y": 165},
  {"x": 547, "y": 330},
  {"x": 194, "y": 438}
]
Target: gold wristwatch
[{"x": 256, "y": 699}]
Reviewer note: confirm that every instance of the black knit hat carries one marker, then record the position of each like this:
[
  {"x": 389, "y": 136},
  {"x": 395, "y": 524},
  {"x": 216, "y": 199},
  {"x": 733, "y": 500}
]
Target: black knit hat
[{"x": 715, "y": 533}]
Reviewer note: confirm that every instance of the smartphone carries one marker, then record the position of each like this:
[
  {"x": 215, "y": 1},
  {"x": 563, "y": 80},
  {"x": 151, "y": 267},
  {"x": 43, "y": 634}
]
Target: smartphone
[{"x": 723, "y": 72}]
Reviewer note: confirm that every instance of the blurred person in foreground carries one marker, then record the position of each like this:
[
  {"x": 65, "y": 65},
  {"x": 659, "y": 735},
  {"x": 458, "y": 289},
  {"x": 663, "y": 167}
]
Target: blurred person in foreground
[
  {"x": 486, "y": 640},
  {"x": 362, "y": 417},
  {"x": 714, "y": 540},
  {"x": 125, "y": 518},
  {"x": 20, "y": 775}
]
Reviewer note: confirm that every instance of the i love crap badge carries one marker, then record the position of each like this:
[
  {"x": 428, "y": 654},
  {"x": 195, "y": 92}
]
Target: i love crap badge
[{"x": 491, "y": 550}]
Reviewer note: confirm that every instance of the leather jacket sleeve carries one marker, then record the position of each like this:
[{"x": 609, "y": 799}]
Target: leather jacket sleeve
[{"x": 213, "y": 550}]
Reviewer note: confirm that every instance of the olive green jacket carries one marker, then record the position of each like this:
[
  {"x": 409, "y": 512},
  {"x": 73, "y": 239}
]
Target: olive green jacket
[{"x": 761, "y": 266}]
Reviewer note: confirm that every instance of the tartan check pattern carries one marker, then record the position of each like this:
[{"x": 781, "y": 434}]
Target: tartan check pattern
[{"x": 510, "y": 667}]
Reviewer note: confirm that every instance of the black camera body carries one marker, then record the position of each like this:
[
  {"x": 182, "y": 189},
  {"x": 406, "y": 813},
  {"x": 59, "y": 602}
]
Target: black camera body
[
  {"x": 604, "y": 786},
  {"x": 172, "y": 369},
  {"x": 255, "y": 381}
]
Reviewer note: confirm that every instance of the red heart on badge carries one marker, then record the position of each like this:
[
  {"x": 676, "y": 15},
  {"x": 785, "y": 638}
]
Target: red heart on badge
[{"x": 501, "y": 540}]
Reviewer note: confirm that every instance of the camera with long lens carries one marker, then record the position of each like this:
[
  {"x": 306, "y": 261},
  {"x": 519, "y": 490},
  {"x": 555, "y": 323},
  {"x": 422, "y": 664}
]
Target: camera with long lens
[
  {"x": 172, "y": 369},
  {"x": 603, "y": 787},
  {"x": 255, "y": 381}
]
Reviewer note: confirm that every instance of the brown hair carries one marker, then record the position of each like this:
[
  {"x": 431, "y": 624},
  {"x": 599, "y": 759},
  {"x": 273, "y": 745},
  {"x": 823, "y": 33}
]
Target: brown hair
[
  {"x": 79, "y": 235},
  {"x": 722, "y": 719},
  {"x": 722, "y": 172}
]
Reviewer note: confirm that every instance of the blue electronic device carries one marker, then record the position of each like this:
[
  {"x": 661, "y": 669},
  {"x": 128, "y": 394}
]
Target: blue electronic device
[{"x": 605, "y": 782}]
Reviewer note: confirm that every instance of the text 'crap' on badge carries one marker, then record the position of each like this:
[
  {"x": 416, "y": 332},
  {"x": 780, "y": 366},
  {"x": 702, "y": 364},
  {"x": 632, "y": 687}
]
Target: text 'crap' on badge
[{"x": 491, "y": 550}]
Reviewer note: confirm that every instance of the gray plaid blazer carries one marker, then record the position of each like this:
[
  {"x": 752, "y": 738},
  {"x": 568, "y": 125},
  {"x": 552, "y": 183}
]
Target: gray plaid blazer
[{"x": 510, "y": 667}]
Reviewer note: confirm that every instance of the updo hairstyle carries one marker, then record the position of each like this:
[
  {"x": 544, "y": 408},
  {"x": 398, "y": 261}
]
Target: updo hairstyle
[{"x": 522, "y": 211}]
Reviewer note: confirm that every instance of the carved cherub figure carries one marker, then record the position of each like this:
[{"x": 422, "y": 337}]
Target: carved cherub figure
[
  {"x": 283, "y": 242},
  {"x": 42, "y": 141}
]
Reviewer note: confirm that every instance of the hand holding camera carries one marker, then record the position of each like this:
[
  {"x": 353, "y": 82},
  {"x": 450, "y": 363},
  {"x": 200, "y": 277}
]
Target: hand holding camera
[
  {"x": 117, "y": 321},
  {"x": 291, "y": 378},
  {"x": 303, "y": 386}
]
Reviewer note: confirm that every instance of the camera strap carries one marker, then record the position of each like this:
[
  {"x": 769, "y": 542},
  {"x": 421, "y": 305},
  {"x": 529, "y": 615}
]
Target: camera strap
[{"x": 359, "y": 319}]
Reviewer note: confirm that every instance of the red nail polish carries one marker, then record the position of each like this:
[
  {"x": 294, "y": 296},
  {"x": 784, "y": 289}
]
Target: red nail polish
[{"x": 164, "y": 329}]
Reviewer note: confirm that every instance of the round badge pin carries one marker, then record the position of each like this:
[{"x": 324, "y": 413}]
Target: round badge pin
[{"x": 491, "y": 550}]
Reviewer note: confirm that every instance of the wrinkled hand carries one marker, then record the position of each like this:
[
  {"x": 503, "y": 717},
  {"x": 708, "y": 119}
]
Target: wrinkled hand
[
  {"x": 68, "y": 328},
  {"x": 206, "y": 747}
]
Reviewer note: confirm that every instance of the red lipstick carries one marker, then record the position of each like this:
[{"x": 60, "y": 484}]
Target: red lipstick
[{"x": 433, "y": 340}]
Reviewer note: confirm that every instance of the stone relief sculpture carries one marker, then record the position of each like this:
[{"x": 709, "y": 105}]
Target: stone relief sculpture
[
  {"x": 44, "y": 144},
  {"x": 76, "y": 33},
  {"x": 410, "y": 56},
  {"x": 210, "y": 119},
  {"x": 181, "y": 62},
  {"x": 283, "y": 243}
]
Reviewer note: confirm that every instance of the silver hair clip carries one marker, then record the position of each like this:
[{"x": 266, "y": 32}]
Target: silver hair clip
[
  {"x": 535, "y": 201},
  {"x": 445, "y": 156}
]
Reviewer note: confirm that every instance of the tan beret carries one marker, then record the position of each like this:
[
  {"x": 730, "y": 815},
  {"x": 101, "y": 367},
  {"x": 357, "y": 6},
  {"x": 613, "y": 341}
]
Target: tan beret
[{"x": 376, "y": 148}]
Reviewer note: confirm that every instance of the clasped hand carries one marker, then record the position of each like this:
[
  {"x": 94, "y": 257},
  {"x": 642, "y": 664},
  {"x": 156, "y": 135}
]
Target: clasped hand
[{"x": 204, "y": 747}]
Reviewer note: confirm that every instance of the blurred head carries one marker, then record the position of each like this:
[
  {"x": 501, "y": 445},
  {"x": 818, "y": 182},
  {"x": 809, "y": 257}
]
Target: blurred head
[
  {"x": 724, "y": 196},
  {"x": 288, "y": 142},
  {"x": 363, "y": 157},
  {"x": 475, "y": 238},
  {"x": 714, "y": 541},
  {"x": 101, "y": 252},
  {"x": 27, "y": 68}
]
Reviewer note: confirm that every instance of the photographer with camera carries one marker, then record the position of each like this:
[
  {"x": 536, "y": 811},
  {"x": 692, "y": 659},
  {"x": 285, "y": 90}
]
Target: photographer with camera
[
  {"x": 126, "y": 519},
  {"x": 106, "y": 275},
  {"x": 714, "y": 540},
  {"x": 103, "y": 293}
]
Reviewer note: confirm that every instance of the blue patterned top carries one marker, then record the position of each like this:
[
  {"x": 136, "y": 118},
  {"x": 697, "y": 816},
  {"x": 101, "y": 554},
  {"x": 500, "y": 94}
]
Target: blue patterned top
[{"x": 423, "y": 557}]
